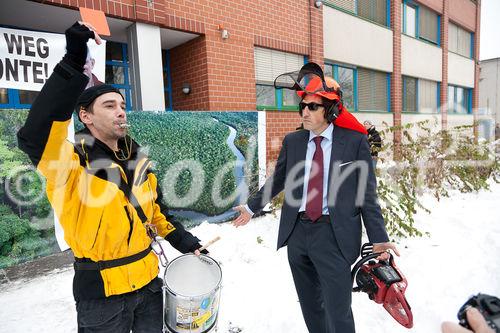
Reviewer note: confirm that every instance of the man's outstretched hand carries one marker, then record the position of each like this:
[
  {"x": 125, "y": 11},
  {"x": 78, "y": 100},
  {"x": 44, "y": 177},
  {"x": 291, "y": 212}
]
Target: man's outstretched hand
[
  {"x": 384, "y": 247},
  {"x": 243, "y": 218},
  {"x": 77, "y": 37}
]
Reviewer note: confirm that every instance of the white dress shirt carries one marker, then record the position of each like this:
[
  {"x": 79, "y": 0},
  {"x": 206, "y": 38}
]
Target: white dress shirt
[{"x": 326, "y": 145}]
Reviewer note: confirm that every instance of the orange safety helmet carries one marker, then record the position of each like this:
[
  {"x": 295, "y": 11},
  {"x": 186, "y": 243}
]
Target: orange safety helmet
[
  {"x": 311, "y": 80},
  {"x": 315, "y": 87}
]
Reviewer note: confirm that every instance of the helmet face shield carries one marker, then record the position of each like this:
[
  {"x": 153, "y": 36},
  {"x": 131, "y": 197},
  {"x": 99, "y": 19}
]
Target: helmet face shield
[{"x": 308, "y": 80}]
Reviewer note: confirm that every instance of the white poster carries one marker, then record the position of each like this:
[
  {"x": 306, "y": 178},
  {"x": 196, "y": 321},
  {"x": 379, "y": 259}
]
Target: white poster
[{"x": 27, "y": 58}]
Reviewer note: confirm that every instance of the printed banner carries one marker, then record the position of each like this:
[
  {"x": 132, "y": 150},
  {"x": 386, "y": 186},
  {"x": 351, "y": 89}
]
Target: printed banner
[{"x": 27, "y": 58}]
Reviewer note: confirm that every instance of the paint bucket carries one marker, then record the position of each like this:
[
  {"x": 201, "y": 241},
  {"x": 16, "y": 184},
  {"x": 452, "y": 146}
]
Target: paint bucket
[{"x": 191, "y": 293}]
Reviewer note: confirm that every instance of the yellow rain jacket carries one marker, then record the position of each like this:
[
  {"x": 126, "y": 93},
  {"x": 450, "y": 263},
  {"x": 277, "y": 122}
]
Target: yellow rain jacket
[{"x": 87, "y": 186}]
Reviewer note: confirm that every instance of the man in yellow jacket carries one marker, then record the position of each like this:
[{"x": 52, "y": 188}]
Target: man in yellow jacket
[{"x": 105, "y": 195}]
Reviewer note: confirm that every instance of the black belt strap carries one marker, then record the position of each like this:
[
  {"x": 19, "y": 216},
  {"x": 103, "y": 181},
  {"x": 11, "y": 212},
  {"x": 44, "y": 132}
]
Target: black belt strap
[
  {"x": 323, "y": 218},
  {"x": 83, "y": 264}
]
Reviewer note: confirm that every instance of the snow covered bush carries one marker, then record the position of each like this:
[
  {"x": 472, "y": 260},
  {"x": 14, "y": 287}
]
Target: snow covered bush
[{"x": 430, "y": 162}]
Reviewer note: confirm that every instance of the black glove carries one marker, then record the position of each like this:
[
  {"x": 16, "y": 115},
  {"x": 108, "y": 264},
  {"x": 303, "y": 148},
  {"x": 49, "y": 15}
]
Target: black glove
[{"x": 77, "y": 37}]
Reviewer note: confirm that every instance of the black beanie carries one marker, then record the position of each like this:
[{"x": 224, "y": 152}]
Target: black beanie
[{"x": 90, "y": 94}]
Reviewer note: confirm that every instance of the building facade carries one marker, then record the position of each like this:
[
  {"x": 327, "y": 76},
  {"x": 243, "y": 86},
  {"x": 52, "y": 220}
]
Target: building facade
[
  {"x": 489, "y": 95},
  {"x": 397, "y": 61}
]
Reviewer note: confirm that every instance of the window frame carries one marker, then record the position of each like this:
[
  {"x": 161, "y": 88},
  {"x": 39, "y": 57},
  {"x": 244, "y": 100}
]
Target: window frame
[
  {"x": 417, "y": 95},
  {"x": 467, "y": 94},
  {"x": 126, "y": 67},
  {"x": 168, "y": 90},
  {"x": 278, "y": 98},
  {"x": 355, "y": 12},
  {"x": 335, "y": 72},
  {"x": 416, "y": 6},
  {"x": 471, "y": 34},
  {"x": 403, "y": 99}
]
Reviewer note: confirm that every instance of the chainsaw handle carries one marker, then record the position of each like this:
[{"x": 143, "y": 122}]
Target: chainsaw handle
[{"x": 366, "y": 258}]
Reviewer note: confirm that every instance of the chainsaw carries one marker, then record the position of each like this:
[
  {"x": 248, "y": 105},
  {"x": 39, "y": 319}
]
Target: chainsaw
[{"x": 384, "y": 283}]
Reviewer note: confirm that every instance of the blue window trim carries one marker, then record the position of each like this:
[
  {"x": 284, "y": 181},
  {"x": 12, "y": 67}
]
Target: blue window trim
[
  {"x": 472, "y": 45},
  {"x": 126, "y": 85},
  {"x": 335, "y": 72},
  {"x": 14, "y": 100},
  {"x": 168, "y": 89},
  {"x": 439, "y": 31},
  {"x": 467, "y": 92},
  {"x": 278, "y": 97},
  {"x": 416, "y": 6},
  {"x": 388, "y": 12}
]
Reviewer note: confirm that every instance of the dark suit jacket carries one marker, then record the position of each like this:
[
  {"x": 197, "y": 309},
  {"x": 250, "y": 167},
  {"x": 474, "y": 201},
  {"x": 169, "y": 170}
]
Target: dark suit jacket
[{"x": 351, "y": 175}]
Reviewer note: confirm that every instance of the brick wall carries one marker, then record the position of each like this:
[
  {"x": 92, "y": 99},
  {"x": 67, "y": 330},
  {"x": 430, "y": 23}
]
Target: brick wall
[
  {"x": 316, "y": 53},
  {"x": 188, "y": 64},
  {"x": 435, "y": 5},
  {"x": 278, "y": 124},
  {"x": 396, "y": 80},
  {"x": 463, "y": 12},
  {"x": 475, "y": 91},
  {"x": 443, "y": 100},
  {"x": 279, "y": 24}
]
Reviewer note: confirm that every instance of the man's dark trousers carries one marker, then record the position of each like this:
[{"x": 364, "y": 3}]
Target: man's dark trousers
[
  {"x": 139, "y": 311},
  {"x": 322, "y": 277}
]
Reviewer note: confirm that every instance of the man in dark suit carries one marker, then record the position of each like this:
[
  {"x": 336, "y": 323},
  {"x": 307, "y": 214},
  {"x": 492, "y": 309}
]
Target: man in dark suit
[{"x": 327, "y": 176}]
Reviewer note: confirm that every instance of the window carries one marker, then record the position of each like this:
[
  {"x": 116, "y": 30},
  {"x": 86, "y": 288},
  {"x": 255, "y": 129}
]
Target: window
[
  {"x": 409, "y": 94},
  {"x": 4, "y": 96},
  {"x": 349, "y": 5},
  {"x": 269, "y": 64},
  {"x": 459, "y": 100},
  {"x": 265, "y": 95},
  {"x": 410, "y": 19},
  {"x": 420, "y": 95},
  {"x": 428, "y": 25},
  {"x": 459, "y": 40},
  {"x": 428, "y": 96},
  {"x": 117, "y": 70},
  {"x": 167, "y": 81},
  {"x": 377, "y": 11},
  {"x": 16, "y": 98},
  {"x": 347, "y": 79},
  {"x": 373, "y": 90},
  {"x": 420, "y": 22},
  {"x": 373, "y": 10}
]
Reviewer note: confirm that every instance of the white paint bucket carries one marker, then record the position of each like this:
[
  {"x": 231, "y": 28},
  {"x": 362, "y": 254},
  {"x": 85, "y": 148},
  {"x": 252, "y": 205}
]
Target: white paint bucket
[{"x": 191, "y": 293}]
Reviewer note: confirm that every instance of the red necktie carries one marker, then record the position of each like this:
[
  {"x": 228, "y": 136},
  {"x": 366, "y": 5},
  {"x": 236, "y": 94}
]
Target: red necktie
[{"x": 314, "y": 203}]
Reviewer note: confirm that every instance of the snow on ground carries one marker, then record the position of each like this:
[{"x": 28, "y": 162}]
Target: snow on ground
[{"x": 460, "y": 258}]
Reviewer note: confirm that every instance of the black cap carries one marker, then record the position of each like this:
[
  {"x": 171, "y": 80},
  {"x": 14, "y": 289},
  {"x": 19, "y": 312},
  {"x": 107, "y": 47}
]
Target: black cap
[{"x": 90, "y": 94}]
